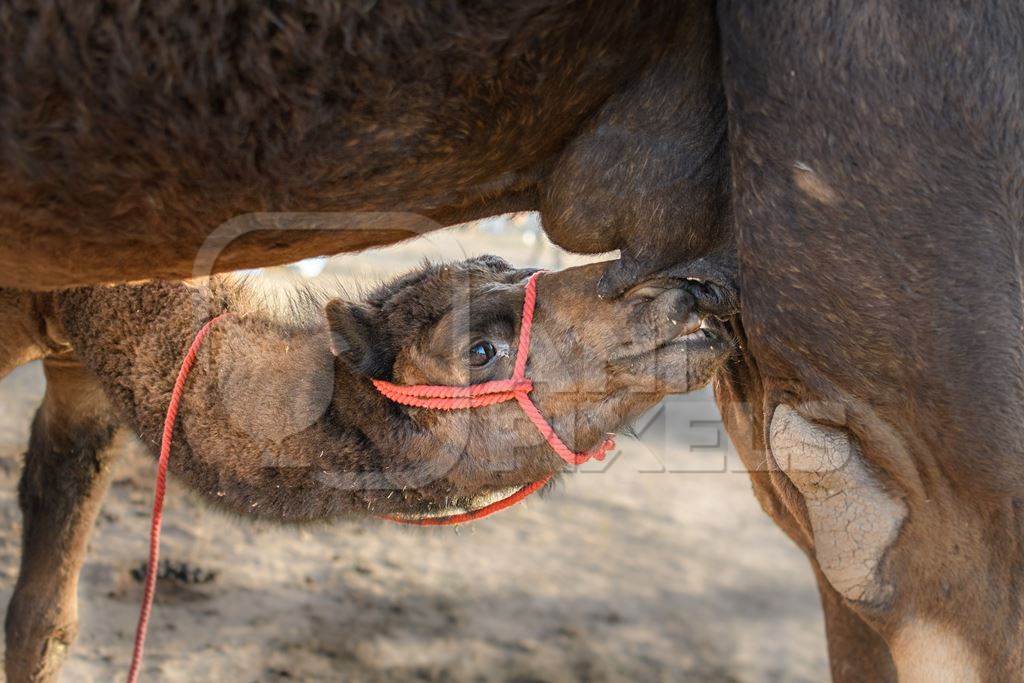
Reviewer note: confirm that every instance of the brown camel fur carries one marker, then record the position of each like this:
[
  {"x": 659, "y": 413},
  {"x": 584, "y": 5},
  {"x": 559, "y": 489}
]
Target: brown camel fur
[
  {"x": 130, "y": 131},
  {"x": 275, "y": 425}
]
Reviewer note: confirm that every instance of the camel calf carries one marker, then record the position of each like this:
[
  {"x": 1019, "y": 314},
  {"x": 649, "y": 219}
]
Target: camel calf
[{"x": 281, "y": 421}]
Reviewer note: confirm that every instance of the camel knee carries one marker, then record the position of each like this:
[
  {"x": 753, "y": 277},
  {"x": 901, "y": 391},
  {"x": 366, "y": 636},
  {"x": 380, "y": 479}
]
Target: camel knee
[
  {"x": 854, "y": 520},
  {"x": 926, "y": 567},
  {"x": 39, "y": 630}
]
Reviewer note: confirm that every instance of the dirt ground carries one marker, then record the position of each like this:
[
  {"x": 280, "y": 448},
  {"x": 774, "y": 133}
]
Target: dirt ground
[{"x": 659, "y": 566}]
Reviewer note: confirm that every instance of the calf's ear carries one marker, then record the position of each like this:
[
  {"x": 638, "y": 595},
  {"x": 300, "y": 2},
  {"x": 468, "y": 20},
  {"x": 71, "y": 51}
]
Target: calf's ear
[{"x": 351, "y": 327}]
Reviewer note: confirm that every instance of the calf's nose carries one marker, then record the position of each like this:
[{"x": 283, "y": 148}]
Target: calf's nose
[{"x": 680, "y": 303}]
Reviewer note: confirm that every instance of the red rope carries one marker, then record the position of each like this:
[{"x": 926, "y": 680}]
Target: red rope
[
  {"x": 453, "y": 398},
  {"x": 474, "y": 514},
  {"x": 518, "y": 387},
  {"x": 158, "y": 495}
]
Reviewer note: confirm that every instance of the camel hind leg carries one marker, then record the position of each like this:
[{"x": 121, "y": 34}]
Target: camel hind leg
[{"x": 66, "y": 474}]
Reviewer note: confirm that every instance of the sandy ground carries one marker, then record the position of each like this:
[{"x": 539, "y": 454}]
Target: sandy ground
[{"x": 657, "y": 567}]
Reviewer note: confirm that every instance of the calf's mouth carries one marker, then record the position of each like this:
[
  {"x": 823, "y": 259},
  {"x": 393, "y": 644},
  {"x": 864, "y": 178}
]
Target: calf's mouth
[
  {"x": 680, "y": 335},
  {"x": 675, "y": 345}
]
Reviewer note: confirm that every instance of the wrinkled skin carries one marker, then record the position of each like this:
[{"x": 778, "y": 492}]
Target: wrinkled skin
[{"x": 280, "y": 420}]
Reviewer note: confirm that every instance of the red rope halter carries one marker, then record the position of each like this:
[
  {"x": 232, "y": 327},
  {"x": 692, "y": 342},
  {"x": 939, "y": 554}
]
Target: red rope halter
[{"x": 518, "y": 387}]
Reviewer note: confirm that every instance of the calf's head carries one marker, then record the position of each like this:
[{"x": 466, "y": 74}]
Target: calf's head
[{"x": 595, "y": 364}]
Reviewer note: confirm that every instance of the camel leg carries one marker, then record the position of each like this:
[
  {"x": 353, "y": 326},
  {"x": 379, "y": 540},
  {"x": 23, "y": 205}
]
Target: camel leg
[
  {"x": 67, "y": 471},
  {"x": 855, "y": 650}
]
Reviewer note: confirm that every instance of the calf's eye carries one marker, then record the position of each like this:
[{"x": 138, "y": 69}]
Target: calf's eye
[{"x": 480, "y": 353}]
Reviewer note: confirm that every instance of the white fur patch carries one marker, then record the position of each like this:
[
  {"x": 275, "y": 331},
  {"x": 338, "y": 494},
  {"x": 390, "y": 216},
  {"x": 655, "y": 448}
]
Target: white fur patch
[
  {"x": 853, "y": 519},
  {"x": 927, "y": 652},
  {"x": 813, "y": 185}
]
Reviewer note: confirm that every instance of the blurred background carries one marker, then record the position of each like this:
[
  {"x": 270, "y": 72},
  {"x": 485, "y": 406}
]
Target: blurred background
[{"x": 656, "y": 565}]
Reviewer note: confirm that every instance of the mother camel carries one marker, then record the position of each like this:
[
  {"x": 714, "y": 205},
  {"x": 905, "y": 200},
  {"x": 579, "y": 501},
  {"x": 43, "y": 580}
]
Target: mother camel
[{"x": 862, "y": 160}]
